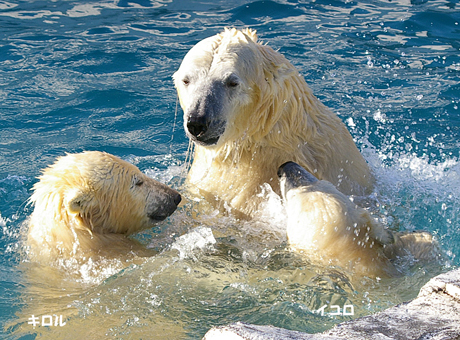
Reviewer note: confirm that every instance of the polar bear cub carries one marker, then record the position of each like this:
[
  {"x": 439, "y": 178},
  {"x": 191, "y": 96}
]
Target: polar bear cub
[
  {"x": 327, "y": 226},
  {"x": 89, "y": 202}
]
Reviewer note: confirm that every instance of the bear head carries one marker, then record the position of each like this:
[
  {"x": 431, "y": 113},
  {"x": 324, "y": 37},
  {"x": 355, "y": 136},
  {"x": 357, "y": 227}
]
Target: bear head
[
  {"x": 320, "y": 217},
  {"x": 228, "y": 88},
  {"x": 100, "y": 193}
]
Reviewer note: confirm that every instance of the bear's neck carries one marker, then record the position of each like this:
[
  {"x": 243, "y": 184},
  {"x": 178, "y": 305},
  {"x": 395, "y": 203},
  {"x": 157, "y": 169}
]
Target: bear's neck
[
  {"x": 234, "y": 178},
  {"x": 53, "y": 239}
]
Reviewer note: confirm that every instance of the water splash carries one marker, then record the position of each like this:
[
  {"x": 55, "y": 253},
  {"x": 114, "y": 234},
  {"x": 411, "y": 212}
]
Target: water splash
[{"x": 200, "y": 238}]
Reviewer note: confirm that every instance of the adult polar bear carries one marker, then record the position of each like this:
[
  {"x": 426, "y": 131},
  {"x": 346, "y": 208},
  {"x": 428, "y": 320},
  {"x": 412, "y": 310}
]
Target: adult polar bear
[{"x": 247, "y": 110}]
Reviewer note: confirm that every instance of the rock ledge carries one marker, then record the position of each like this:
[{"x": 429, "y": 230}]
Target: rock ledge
[{"x": 434, "y": 314}]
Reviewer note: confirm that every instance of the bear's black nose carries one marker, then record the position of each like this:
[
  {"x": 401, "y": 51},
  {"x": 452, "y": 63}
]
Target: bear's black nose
[
  {"x": 197, "y": 126},
  {"x": 288, "y": 169},
  {"x": 177, "y": 199},
  {"x": 295, "y": 176}
]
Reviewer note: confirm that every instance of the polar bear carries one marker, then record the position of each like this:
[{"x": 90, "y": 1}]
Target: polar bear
[
  {"x": 87, "y": 203},
  {"x": 247, "y": 110},
  {"x": 330, "y": 229},
  {"x": 85, "y": 206}
]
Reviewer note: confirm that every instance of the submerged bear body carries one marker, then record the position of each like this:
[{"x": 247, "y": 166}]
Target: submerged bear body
[{"x": 330, "y": 229}]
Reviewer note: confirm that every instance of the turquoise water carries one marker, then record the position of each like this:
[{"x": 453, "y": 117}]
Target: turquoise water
[{"x": 88, "y": 75}]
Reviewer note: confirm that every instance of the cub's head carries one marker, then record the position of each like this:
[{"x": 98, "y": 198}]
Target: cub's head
[
  {"x": 101, "y": 193},
  {"x": 226, "y": 85},
  {"x": 319, "y": 214},
  {"x": 314, "y": 203}
]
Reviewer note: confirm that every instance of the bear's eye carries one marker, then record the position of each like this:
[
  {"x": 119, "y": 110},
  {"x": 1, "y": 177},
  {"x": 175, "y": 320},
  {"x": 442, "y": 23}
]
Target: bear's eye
[
  {"x": 137, "y": 181},
  {"x": 186, "y": 81},
  {"x": 233, "y": 81}
]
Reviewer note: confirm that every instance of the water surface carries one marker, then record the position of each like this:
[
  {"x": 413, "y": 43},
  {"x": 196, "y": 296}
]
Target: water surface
[{"x": 89, "y": 75}]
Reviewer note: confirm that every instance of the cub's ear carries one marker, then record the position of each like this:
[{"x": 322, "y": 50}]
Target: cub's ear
[
  {"x": 382, "y": 235},
  {"x": 76, "y": 200}
]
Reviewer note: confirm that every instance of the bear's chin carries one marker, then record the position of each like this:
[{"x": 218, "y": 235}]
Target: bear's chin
[
  {"x": 206, "y": 142},
  {"x": 157, "y": 218},
  {"x": 204, "y": 134}
]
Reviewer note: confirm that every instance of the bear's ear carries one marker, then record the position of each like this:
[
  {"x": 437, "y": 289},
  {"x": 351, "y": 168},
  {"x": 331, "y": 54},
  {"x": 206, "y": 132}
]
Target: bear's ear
[
  {"x": 278, "y": 68},
  {"x": 380, "y": 234},
  {"x": 283, "y": 71},
  {"x": 384, "y": 236},
  {"x": 76, "y": 200},
  {"x": 252, "y": 34}
]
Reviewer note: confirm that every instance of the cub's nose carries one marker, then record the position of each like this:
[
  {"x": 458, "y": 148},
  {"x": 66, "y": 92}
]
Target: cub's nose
[
  {"x": 292, "y": 176},
  {"x": 167, "y": 201},
  {"x": 177, "y": 198}
]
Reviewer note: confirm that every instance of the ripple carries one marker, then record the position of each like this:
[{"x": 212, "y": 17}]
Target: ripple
[{"x": 97, "y": 76}]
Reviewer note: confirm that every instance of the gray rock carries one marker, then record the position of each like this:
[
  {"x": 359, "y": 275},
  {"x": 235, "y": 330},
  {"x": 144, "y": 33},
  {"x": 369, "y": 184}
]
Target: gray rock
[
  {"x": 243, "y": 331},
  {"x": 434, "y": 314}
]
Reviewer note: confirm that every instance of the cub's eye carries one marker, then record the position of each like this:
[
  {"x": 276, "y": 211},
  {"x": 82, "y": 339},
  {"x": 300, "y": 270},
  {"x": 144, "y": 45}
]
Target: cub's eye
[
  {"x": 137, "y": 181},
  {"x": 186, "y": 81}
]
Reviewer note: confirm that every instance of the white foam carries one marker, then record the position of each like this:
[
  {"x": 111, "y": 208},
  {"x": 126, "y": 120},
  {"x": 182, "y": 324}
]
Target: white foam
[
  {"x": 165, "y": 176},
  {"x": 166, "y": 167},
  {"x": 2, "y": 221},
  {"x": 198, "y": 239},
  {"x": 408, "y": 169},
  {"x": 7, "y": 5},
  {"x": 420, "y": 169},
  {"x": 271, "y": 211}
]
